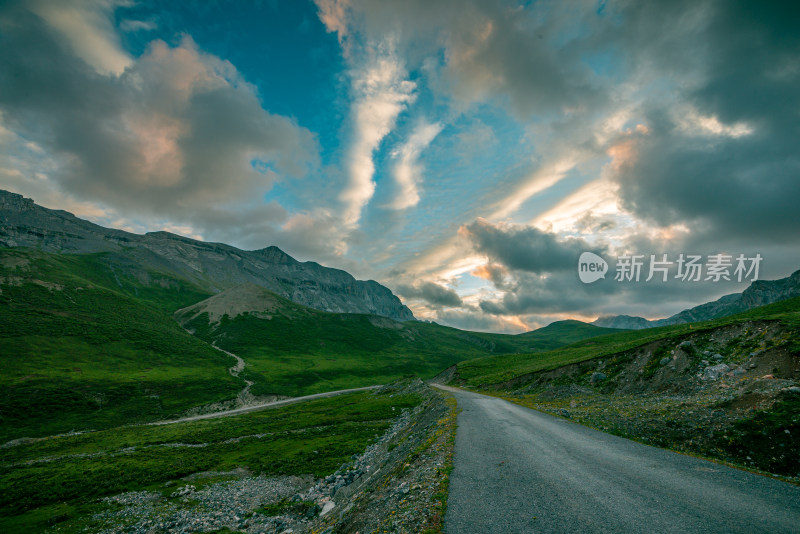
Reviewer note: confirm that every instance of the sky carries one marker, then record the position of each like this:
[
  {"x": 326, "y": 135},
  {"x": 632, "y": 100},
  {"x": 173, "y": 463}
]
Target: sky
[{"x": 464, "y": 153}]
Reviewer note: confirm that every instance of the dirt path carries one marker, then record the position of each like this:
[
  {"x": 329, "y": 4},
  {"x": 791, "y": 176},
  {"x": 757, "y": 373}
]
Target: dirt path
[
  {"x": 255, "y": 407},
  {"x": 244, "y": 398}
]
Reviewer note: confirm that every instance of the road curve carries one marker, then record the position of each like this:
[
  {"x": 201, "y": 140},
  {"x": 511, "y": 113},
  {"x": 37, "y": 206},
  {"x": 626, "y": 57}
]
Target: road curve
[
  {"x": 517, "y": 470},
  {"x": 256, "y": 407}
]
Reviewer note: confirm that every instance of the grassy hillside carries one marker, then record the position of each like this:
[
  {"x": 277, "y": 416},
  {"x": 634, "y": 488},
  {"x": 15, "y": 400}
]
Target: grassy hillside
[
  {"x": 89, "y": 340},
  {"x": 309, "y": 438},
  {"x": 726, "y": 389},
  {"x": 501, "y": 368},
  {"x": 562, "y": 333},
  {"x": 78, "y": 353},
  {"x": 293, "y": 350},
  {"x": 308, "y": 352}
]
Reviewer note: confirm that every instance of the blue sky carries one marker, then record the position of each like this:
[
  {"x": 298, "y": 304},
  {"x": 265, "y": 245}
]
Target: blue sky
[{"x": 461, "y": 152}]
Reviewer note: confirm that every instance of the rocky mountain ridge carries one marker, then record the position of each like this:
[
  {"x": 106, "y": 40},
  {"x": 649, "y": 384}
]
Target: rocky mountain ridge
[
  {"x": 214, "y": 267},
  {"x": 759, "y": 293}
]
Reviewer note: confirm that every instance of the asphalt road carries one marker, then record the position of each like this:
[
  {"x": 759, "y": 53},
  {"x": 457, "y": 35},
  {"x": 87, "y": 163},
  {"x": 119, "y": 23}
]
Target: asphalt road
[{"x": 517, "y": 470}]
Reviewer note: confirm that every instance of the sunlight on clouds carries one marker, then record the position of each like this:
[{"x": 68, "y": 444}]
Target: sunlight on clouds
[
  {"x": 621, "y": 154},
  {"x": 517, "y": 321},
  {"x": 157, "y": 137},
  {"x": 183, "y": 230},
  {"x": 598, "y": 197},
  {"x": 694, "y": 123},
  {"x": 381, "y": 93},
  {"x": 88, "y": 29},
  {"x": 544, "y": 178},
  {"x": 16, "y": 173},
  {"x": 172, "y": 75},
  {"x": 625, "y": 126},
  {"x": 458, "y": 266},
  {"x": 333, "y": 14},
  {"x": 489, "y": 272},
  {"x": 408, "y": 170}
]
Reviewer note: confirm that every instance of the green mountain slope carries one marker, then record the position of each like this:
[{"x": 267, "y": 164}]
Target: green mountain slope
[
  {"x": 88, "y": 340},
  {"x": 562, "y": 333},
  {"x": 507, "y": 367},
  {"x": 294, "y": 350},
  {"x": 726, "y": 389},
  {"x": 78, "y": 351}
]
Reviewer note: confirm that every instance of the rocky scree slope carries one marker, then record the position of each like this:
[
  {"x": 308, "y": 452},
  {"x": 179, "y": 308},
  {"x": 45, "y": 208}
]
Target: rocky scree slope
[
  {"x": 398, "y": 484},
  {"x": 211, "y": 266}
]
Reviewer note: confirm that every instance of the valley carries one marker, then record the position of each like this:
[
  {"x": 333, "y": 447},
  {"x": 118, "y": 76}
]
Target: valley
[
  {"x": 86, "y": 345},
  {"x": 157, "y": 383}
]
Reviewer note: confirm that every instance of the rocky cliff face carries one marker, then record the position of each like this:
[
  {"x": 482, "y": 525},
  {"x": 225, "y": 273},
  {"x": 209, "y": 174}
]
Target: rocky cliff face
[
  {"x": 760, "y": 293},
  {"x": 213, "y": 266}
]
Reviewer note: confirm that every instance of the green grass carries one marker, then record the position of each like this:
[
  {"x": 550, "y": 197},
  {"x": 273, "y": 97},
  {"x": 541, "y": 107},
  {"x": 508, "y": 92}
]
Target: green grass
[
  {"x": 562, "y": 333},
  {"x": 767, "y": 440},
  {"x": 308, "y": 353},
  {"x": 502, "y": 368},
  {"x": 89, "y": 341},
  {"x": 309, "y": 438},
  {"x": 324, "y": 351},
  {"x": 79, "y": 355},
  {"x": 300, "y": 351}
]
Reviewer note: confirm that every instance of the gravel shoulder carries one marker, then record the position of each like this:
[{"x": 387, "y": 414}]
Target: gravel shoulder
[
  {"x": 519, "y": 470},
  {"x": 397, "y": 485}
]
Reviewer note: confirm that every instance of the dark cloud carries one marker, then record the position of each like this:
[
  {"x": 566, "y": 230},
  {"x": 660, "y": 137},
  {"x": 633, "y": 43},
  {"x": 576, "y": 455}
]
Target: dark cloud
[
  {"x": 432, "y": 293},
  {"x": 554, "y": 293},
  {"x": 495, "y": 273},
  {"x": 743, "y": 74},
  {"x": 524, "y": 248},
  {"x": 564, "y": 293},
  {"x": 474, "y": 320}
]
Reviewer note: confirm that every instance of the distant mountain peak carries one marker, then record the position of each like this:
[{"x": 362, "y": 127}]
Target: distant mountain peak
[
  {"x": 275, "y": 254},
  {"x": 759, "y": 293}
]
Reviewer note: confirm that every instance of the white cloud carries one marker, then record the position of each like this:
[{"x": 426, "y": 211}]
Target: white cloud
[
  {"x": 545, "y": 177},
  {"x": 692, "y": 122},
  {"x": 87, "y": 27},
  {"x": 598, "y": 197},
  {"x": 381, "y": 92},
  {"x": 168, "y": 143},
  {"x": 408, "y": 170},
  {"x": 129, "y": 25}
]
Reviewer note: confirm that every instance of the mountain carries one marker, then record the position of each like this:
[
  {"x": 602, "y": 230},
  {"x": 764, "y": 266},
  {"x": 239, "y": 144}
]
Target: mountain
[
  {"x": 78, "y": 351},
  {"x": 560, "y": 333},
  {"x": 83, "y": 346},
  {"x": 291, "y": 349},
  {"x": 759, "y": 293},
  {"x": 626, "y": 322},
  {"x": 213, "y": 267}
]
